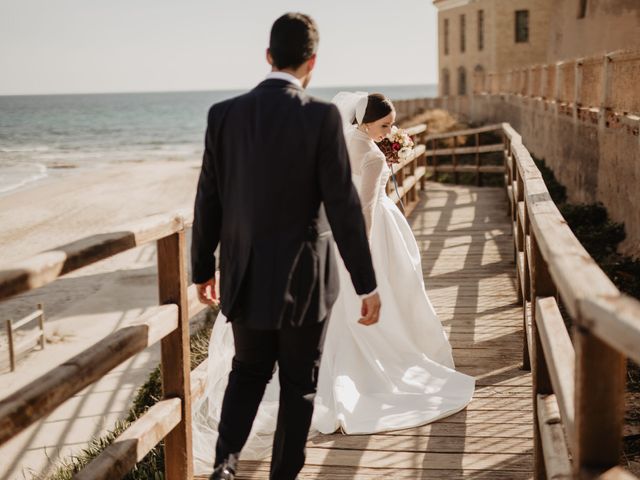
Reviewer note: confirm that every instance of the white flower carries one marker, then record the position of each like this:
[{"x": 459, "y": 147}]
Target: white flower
[{"x": 405, "y": 152}]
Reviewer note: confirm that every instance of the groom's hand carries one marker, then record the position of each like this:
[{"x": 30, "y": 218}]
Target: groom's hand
[
  {"x": 207, "y": 292},
  {"x": 370, "y": 310}
]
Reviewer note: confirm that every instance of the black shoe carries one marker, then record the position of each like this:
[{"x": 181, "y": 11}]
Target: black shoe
[{"x": 227, "y": 469}]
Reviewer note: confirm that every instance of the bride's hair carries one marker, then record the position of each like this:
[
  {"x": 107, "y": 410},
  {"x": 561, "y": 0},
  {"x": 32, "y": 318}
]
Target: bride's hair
[{"x": 378, "y": 106}]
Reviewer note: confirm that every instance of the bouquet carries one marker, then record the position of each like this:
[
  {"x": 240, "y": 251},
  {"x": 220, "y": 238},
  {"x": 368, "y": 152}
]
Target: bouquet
[{"x": 396, "y": 145}]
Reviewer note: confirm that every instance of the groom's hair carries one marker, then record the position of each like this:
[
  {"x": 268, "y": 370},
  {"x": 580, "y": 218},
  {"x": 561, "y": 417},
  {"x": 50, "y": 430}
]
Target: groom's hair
[{"x": 294, "y": 40}]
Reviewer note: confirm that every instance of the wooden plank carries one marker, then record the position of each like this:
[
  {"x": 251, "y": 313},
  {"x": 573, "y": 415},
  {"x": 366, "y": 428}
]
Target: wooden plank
[
  {"x": 458, "y": 429},
  {"x": 419, "y": 444},
  {"x": 616, "y": 321},
  {"x": 44, "y": 268},
  {"x": 556, "y": 454},
  {"x": 175, "y": 364},
  {"x": 575, "y": 273},
  {"x": 468, "y": 169},
  {"x": 260, "y": 470},
  {"x": 560, "y": 356},
  {"x": 416, "y": 129},
  {"x": 463, "y": 133},
  {"x": 134, "y": 443},
  {"x": 425, "y": 460},
  {"x": 27, "y": 319},
  {"x": 42, "y": 396},
  {"x": 599, "y": 403},
  {"x": 467, "y": 150}
]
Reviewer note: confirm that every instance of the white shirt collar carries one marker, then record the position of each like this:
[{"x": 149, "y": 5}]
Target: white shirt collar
[{"x": 284, "y": 76}]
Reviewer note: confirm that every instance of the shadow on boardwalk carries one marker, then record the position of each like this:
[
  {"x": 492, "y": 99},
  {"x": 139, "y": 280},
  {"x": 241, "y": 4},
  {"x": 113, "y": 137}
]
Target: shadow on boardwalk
[{"x": 465, "y": 237}]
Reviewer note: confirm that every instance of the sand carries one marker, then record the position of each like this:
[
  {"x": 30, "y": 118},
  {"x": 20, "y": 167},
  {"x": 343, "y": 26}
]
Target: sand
[{"x": 88, "y": 304}]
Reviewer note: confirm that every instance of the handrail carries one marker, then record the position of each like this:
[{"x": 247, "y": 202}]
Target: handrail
[
  {"x": 168, "y": 323},
  {"x": 46, "y": 393},
  {"x": 36, "y": 271},
  {"x": 578, "y": 385},
  {"x": 584, "y": 380}
]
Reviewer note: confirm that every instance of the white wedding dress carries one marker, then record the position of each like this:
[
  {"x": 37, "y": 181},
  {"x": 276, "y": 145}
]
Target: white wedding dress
[{"x": 398, "y": 373}]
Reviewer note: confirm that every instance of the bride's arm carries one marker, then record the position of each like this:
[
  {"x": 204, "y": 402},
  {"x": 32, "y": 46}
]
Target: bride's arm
[{"x": 372, "y": 165}]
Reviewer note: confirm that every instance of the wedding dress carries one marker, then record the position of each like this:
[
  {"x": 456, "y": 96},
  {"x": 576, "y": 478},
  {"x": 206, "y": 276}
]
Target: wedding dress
[{"x": 398, "y": 373}]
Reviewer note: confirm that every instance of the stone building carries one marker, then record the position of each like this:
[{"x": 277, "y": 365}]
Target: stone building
[{"x": 480, "y": 36}]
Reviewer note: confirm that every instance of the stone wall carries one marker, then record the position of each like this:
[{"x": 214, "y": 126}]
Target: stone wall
[
  {"x": 580, "y": 117},
  {"x": 607, "y": 25}
]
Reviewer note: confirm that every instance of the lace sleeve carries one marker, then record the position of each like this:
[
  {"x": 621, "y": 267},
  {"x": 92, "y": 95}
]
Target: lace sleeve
[{"x": 371, "y": 168}]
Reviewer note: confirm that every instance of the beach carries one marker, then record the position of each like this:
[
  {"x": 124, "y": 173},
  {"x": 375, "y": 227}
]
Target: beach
[{"x": 88, "y": 304}]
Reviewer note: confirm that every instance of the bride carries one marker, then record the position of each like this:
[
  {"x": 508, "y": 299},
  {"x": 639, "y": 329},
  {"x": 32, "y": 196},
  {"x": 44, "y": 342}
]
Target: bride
[{"x": 398, "y": 373}]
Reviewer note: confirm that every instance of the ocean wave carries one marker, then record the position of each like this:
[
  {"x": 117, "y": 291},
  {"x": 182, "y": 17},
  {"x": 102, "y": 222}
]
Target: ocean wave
[
  {"x": 25, "y": 149},
  {"x": 18, "y": 175}
]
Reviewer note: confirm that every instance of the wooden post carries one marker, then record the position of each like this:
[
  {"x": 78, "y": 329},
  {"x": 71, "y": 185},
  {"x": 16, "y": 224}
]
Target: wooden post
[
  {"x": 541, "y": 286},
  {"x": 454, "y": 160},
  {"x": 522, "y": 275},
  {"x": 435, "y": 160},
  {"x": 12, "y": 353},
  {"x": 478, "y": 174},
  {"x": 41, "y": 325},
  {"x": 423, "y": 160},
  {"x": 172, "y": 282},
  {"x": 599, "y": 404}
]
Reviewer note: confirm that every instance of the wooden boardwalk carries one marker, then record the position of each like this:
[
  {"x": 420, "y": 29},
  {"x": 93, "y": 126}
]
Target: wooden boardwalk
[{"x": 465, "y": 236}]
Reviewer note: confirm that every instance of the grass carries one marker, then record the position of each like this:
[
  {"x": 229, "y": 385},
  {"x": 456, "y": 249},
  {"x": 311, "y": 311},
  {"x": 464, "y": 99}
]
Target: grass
[{"x": 152, "y": 465}]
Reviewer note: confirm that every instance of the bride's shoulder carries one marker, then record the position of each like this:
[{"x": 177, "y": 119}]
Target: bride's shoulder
[{"x": 375, "y": 153}]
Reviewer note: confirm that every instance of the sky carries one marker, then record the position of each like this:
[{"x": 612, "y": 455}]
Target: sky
[{"x": 92, "y": 46}]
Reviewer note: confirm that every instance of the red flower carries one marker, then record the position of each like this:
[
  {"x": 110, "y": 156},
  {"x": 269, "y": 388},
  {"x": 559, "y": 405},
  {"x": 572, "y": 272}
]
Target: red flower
[{"x": 396, "y": 146}]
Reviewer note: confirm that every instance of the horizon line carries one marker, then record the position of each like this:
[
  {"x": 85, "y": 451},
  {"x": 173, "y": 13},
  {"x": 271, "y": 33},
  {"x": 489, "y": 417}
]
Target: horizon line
[{"x": 225, "y": 89}]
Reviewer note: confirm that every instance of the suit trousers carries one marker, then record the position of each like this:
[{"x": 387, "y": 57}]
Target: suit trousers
[{"x": 297, "y": 351}]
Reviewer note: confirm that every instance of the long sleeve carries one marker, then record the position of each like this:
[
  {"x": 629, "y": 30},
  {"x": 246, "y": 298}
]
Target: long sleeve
[
  {"x": 207, "y": 217},
  {"x": 342, "y": 204},
  {"x": 371, "y": 171}
]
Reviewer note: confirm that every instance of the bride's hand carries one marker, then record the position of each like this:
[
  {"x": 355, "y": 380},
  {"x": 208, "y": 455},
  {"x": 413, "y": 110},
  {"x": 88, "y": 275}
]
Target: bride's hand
[{"x": 370, "y": 310}]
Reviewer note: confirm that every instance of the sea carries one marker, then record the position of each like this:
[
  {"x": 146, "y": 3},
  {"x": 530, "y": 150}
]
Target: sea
[{"x": 46, "y": 135}]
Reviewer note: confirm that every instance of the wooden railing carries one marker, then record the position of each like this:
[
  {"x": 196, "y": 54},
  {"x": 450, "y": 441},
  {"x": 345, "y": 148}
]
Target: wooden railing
[
  {"x": 455, "y": 151},
  {"x": 410, "y": 172},
  {"x": 168, "y": 323},
  {"x": 578, "y": 379},
  {"x": 25, "y": 344}
]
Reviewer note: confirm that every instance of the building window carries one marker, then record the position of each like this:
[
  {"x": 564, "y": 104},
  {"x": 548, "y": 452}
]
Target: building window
[
  {"x": 463, "y": 38},
  {"x": 462, "y": 81},
  {"x": 522, "y": 26},
  {"x": 582, "y": 8},
  {"x": 478, "y": 79},
  {"x": 480, "y": 29},
  {"x": 446, "y": 89},
  {"x": 446, "y": 36}
]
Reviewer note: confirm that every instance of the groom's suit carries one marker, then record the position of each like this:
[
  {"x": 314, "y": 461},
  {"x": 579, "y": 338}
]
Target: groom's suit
[{"x": 274, "y": 158}]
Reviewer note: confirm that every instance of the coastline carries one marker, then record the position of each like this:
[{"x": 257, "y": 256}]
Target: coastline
[{"x": 88, "y": 304}]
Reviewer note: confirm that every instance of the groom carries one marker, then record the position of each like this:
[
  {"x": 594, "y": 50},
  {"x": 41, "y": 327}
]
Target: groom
[{"x": 273, "y": 158}]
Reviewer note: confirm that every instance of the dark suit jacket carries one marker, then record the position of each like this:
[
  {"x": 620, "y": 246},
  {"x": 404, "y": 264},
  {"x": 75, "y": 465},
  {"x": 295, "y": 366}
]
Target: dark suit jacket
[{"x": 273, "y": 157}]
